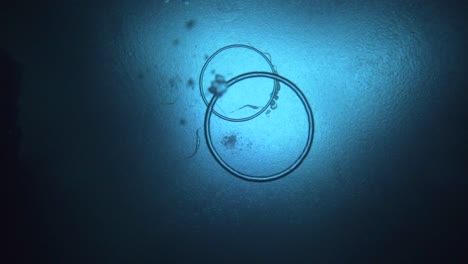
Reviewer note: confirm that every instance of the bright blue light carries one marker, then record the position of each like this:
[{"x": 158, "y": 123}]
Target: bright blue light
[{"x": 355, "y": 73}]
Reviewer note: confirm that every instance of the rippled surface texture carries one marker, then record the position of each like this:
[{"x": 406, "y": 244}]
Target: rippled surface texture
[{"x": 110, "y": 108}]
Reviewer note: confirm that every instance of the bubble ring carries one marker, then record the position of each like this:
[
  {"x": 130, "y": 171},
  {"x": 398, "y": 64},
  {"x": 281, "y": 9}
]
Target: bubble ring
[
  {"x": 310, "y": 133},
  {"x": 276, "y": 86}
]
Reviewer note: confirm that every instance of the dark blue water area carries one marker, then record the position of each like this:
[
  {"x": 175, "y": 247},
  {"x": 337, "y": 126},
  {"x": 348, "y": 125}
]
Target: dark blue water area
[{"x": 107, "y": 165}]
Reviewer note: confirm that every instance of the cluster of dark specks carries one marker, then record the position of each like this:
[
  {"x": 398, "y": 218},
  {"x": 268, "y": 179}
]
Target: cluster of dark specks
[
  {"x": 191, "y": 83},
  {"x": 189, "y": 24},
  {"x": 229, "y": 141}
]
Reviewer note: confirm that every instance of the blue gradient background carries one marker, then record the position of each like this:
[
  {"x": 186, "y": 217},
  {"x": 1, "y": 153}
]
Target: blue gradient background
[{"x": 109, "y": 182}]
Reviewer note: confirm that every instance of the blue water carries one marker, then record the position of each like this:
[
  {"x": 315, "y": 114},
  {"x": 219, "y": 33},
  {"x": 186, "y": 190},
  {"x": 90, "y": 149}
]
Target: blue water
[{"x": 110, "y": 107}]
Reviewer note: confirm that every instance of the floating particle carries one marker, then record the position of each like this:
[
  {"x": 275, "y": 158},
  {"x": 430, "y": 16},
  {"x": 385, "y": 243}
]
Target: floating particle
[
  {"x": 248, "y": 105},
  {"x": 197, "y": 144},
  {"x": 273, "y": 105},
  {"x": 230, "y": 141},
  {"x": 174, "y": 82},
  {"x": 191, "y": 83},
  {"x": 190, "y": 24}
]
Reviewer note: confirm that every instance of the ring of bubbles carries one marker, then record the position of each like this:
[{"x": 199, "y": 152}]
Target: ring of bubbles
[
  {"x": 276, "y": 86},
  {"x": 218, "y": 88}
]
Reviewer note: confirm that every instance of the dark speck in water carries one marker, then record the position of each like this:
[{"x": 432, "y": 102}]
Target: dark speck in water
[
  {"x": 173, "y": 83},
  {"x": 191, "y": 83},
  {"x": 190, "y": 24},
  {"x": 230, "y": 141},
  {"x": 175, "y": 42},
  {"x": 141, "y": 76},
  {"x": 213, "y": 71},
  {"x": 206, "y": 56},
  {"x": 183, "y": 122}
]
